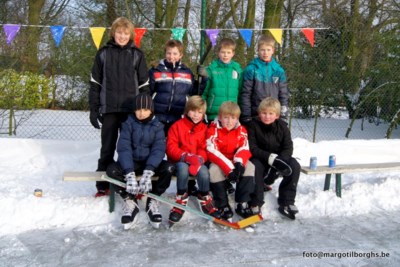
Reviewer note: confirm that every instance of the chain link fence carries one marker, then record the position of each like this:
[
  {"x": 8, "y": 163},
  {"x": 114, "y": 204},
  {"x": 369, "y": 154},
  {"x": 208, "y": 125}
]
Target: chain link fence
[{"x": 328, "y": 100}]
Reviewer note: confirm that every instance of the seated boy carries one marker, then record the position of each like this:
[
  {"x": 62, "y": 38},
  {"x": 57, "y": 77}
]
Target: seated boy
[
  {"x": 141, "y": 149},
  {"x": 186, "y": 147},
  {"x": 272, "y": 148},
  {"x": 229, "y": 154}
]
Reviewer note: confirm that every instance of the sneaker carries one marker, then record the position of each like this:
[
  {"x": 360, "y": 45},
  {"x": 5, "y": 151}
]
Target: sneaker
[
  {"x": 129, "y": 212},
  {"x": 226, "y": 213},
  {"x": 102, "y": 193},
  {"x": 207, "y": 206},
  {"x": 153, "y": 213},
  {"x": 176, "y": 214},
  {"x": 243, "y": 210},
  {"x": 288, "y": 211},
  {"x": 229, "y": 187}
]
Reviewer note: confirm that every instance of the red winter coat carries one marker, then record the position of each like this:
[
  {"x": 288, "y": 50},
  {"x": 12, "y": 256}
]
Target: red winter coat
[
  {"x": 225, "y": 148},
  {"x": 185, "y": 136}
]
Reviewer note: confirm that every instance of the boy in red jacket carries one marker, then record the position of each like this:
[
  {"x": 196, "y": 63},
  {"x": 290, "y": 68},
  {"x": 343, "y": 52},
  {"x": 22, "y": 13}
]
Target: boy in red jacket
[
  {"x": 186, "y": 147},
  {"x": 229, "y": 154}
]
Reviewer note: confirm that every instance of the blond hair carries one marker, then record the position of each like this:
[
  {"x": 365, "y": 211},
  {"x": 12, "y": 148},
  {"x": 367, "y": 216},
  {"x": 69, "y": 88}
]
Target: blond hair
[
  {"x": 265, "y": 40},
  {"x": 195, "y": 102},
  {"x": 172, "y": 44},
  {"x": 229, "y": 108},
  {"x": 227, "y": 43},
  {"x": 124, "y": 23},
  {"x": 270, "y": 103}
]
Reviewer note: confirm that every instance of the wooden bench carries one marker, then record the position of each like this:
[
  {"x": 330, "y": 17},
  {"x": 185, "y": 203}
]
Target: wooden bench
[
  {"x": 70, "y": 176},
  {"x": 341, "y": 169}
]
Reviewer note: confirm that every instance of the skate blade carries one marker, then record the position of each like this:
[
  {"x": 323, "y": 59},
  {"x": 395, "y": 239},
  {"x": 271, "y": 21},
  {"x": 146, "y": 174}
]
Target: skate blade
[
  {"x": 155, "y": 225},
  {"x": 291, "y": 216},
  {"x": 130, "y": 225},
  {"x": 249, "y": 229}
]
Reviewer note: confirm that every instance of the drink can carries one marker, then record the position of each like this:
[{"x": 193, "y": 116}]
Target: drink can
[
  {"x": 332, "y": 161},
  {"x": 38, "y": 193},
  {"x": 313, "y": 163}
]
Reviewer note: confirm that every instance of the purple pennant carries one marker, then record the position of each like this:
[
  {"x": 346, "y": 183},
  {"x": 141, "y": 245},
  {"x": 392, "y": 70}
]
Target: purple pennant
[
  {"x": 246, "y": 35},
  {"x": 212, "y": 35},
  {"x": 57, "y": 32},
  {"x": 11, "y": 31}
]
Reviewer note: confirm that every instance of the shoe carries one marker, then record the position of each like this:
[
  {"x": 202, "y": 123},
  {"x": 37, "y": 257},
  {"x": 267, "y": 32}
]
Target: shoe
[
  {"x": 207, "y": 206},
  {"x": 153, "y": 213},
  {"x": 226, "y": 213},
  {"x": 129, "y": 212},
  {"x": 267, "y": 187},
  {"x": 229, "y": 187},
  {"x": 176, "y": 214},
  {"x": 102, "y": 193},
  {"x": 288, "y": 211},
  {"x": 243, "y": 210}
]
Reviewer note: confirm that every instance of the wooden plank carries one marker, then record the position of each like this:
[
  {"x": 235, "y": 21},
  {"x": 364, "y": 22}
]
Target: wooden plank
[
  {"x": 82, "y": 176},
  {"x": 388, "y": 166}
]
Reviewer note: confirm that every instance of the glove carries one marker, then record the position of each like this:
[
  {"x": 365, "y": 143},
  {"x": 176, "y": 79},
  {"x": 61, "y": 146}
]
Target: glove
[
  {"x": 239, "y": 170},
  {"x": 194, "y": 162},
  {"x": 284, "y": 113},
  {"x": 279, "y": 164},
  {"x": 232, "y": 177},
  {"x": 132, "y": 186},
  {"x": 201, "y": 70},
  {"x": 145, "y": 181},
  {"x": 95, "y": 118}
]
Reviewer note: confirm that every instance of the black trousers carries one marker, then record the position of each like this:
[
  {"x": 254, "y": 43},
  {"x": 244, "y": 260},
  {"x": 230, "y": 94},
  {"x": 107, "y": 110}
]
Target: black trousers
[
  {"x": 164, "y": 172},
  {"x": 244, "y": 188},
  {"x": 287, "y": 187},
  {"x": 109, "y": 136}
]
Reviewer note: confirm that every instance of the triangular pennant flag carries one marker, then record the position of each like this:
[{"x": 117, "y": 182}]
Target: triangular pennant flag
[
  {"x": 139, "y": 32},
  {"x": 246, "y": 35},
  {"x": 277, "y": 34},
  {"x": 97, "y": 35},
  {"x": 11, "y": 31},
  {"x": 177, "y": 33},
  {"x": 57, "y": 32},
  {"x": 309, "y": 33},
  {"x": 212, "y": 35}
]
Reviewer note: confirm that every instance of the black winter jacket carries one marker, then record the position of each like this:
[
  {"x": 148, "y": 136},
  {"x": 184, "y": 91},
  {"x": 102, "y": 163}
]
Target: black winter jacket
[
  {"x": 118, "y": 75},
  {"x": 266, "y": 139}
]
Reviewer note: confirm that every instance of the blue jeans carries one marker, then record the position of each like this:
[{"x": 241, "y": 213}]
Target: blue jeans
[{"x": 182, "y": 177}]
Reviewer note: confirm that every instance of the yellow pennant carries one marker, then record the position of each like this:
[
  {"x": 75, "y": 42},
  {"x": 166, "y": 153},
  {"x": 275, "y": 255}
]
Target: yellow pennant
[
  {"x": 97, "y": 35},
  {"x": 277, "y": 34}
]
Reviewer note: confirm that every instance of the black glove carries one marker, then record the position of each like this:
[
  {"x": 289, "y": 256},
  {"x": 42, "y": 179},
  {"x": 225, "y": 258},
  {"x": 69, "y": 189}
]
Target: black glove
[
  {"x": 279, "y": 164},
  {"x": 95, "y": 118},
  {"x": 232, "y": 178},
  {"x": 238, "y": 170},
  {"x": 201, "y": 70}
]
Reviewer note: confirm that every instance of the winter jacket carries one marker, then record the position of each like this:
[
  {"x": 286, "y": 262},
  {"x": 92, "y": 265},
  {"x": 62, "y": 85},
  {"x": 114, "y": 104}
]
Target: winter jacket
[
  {"x": 272, "y": 138},
  {"x": 185, "y": 136},
  {"x": 143, "y": 142},
  {"x": 260, "y": 80},
  {"x": 118, "y": 75},
  {"x": 224, "y": 82},
  {"x": 224, "y": 148},
  {"x": 170, "y": 89}
]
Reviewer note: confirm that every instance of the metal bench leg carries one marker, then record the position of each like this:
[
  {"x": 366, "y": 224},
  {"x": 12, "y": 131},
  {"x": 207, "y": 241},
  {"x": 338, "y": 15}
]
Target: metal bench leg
[
  {"x": 327, "y": 181},
  {"x": 111, "y": 199},
  {"x": 338, "y": 184}
]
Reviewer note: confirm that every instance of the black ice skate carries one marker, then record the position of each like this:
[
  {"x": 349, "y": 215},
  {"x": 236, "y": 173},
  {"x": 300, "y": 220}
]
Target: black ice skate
[
  {"x": 129, "y": 213},
  {"x": 176, "y": 214},
  {"x": 288, "y": 211},
  {"x": 153, "y": 214}
]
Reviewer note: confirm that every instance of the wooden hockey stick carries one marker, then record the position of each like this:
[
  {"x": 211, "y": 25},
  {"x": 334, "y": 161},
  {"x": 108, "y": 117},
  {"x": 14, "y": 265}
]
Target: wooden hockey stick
[{"x": 235, "y": 225}]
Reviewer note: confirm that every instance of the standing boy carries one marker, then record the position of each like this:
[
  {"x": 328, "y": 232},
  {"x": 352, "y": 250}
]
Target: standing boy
[
  {"x": 229, "y": 154},
  {"x": 186, "y": 147},
  {"x": 141, "y": 149},
  {"x": 272, "y": 148},
  {"x": 119, "y": 73},
  {"x": 263, "y": 77}
]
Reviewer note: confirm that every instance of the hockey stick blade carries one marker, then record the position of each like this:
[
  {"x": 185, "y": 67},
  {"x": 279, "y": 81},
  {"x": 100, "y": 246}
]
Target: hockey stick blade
[{"x": 235, "y": 225}]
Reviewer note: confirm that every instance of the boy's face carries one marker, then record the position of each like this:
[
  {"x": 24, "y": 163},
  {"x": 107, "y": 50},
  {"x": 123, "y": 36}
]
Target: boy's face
[
  {"x": 268, "y": 116},
  {"x": 122, "y": 36},
  {"x": 143, "y": 113},
  {"x": 172, "y": 55},
  {"x": 265, "y": 52},
  {"x": 226, "y": 55},
  {"x": 196, "y": 115},
  {"x": 228, "y": 121}
]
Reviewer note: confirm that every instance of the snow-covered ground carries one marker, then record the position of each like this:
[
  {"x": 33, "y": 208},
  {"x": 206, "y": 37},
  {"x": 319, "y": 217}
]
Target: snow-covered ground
[{"x": 69, "y": 227}]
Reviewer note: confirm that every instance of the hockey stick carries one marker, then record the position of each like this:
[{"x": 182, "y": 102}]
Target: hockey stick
[{"x": 235, "y": 225}]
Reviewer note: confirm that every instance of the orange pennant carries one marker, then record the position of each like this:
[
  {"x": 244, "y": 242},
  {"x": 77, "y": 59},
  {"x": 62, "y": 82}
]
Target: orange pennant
[
  {"x": 309, "y": 33},
  {"x": 139, "y": 32}
]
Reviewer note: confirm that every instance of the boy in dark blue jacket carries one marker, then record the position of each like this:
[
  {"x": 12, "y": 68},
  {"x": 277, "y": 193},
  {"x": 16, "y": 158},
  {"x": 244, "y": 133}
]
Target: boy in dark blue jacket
[{"x": 141, "y": 149}]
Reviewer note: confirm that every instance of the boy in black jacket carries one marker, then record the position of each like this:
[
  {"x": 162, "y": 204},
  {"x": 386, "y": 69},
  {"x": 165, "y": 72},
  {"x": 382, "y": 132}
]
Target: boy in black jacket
[{"x": 272, "y": 147}]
